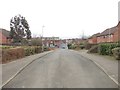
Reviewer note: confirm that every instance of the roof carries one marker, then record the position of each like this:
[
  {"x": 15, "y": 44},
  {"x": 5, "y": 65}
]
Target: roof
[
  {"x": 110, "y": 30},
  {"x": 118, "y": 24},
  {"x": 94, "y": 35},
  {"x": 5, "y": 32}
]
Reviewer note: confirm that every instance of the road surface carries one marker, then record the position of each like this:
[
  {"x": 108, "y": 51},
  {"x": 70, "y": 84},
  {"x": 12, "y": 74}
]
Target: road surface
[{"x": 62, "y": 69}]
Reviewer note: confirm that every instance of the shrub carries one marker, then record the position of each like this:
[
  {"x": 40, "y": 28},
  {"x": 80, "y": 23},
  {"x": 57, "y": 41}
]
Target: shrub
[
  {"x": 0, "y": 55},
  {"x": 29, "y": 51},
  {"x": 116, "y": 53},
  {"x": 46, "y": 48},
  {"x": 82, "y": 46},
  {"x": 69, "y": 46},
  {"x": 24, "y": 42},
  {"x": 6, "y": 47},
  {"x": 11, "y": 54},
  {"x": 73, "y": 47},
  {"x": 36, "y": 42},
  {"x": 18, "y": 52},
  {"x": 32, "y": 50},
  {"x": 118, "y": 44},
  {"x": 106, "y": 49},
  {"x": 38, "y": 49}
]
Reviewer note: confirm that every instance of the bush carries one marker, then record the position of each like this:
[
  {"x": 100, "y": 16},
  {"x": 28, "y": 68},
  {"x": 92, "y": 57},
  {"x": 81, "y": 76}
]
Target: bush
[
  {"x": 73, "y": 46},
  {"x": 12, "y": 54},
  {"x": 32, "y": 50},
  {"x": 46, "y": 48},
  {"x": 24, "y": 42},
  {"x": 36, "y": 42},
  {"x": 116, "y": 53},
  {"x": 6, "y": 47},
  {"x": 106, "y": 49},
  {"x": 38, "y": 49},
  {"x": 29, "y": 51},
  {"x": 82, "y": 46},
  {"x": 118, "y": 44},
  {"x": 69, "y": 46}
]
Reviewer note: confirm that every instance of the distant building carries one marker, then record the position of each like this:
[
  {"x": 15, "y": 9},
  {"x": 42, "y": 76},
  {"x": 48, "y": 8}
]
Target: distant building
[
  {"x": 4, "y": 37},
  {"x": 50, "y": 38},
  {"x": 76, "y": 41},
  {"x": 54, "y": 42}
]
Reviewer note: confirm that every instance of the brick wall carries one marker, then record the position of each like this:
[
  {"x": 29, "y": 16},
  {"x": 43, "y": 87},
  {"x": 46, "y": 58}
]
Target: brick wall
[
  {"x": 90, "y": 40},
  {"x": 107, "y": 38},
  {"x": 4, "y": 39},
  {"x": 117, "y": 35}
]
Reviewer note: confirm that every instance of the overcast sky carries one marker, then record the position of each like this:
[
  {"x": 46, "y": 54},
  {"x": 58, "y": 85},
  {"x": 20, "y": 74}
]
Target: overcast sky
[{"x": 62, "y": 18}]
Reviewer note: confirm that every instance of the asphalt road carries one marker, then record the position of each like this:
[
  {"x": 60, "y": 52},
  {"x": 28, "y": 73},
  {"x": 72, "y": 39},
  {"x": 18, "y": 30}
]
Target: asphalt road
[{"x": 62, "y": 69}]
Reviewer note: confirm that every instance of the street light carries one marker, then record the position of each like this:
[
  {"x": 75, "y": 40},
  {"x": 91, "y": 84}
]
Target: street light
[{"x": 42, "y": 38}]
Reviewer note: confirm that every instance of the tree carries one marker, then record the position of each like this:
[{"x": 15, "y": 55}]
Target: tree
[
  {"x": 19, "y": 28},
  {"x": 36, "y": 42}
]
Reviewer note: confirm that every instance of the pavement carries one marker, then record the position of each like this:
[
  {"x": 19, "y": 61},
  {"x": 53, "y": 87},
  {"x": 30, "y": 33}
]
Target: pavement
[
  {"x": 61, "y": 69},
  {"x": 11, "y": 69},
  {"x": 107, "y": 63}
]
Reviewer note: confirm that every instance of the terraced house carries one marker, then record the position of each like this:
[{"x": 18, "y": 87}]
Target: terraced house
[
  {"x": 110, "y": 35},
  {"x": 4, "y": 37},
  {"x": 93, "y": 39}
]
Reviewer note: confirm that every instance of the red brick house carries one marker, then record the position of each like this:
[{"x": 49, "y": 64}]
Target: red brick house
[
  {"x": 53, "y": 43},
  {"x": 4, "y": 37},
  {"x": 110, "y": 35},
  {"x": 76, "y": 41},
  {"x": 93, "y": 38}
]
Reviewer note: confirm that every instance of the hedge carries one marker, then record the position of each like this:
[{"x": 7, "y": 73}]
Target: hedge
[
  {"x": 106, "y": 49},
  {"x": 32, "y": 50},
  {"x": 46, "y": 49},
  {"x": 18, "y": 52},
  {"x": 116, "y": 53},
  {"x": 12, "y": 54},
  {"x": 29, "y": 51},
  {"x": 38, "y": 49},
  {"x": 6, "y": 47}
]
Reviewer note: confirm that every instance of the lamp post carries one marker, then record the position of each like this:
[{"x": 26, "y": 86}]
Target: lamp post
[{"x": 42, "y": 38}]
